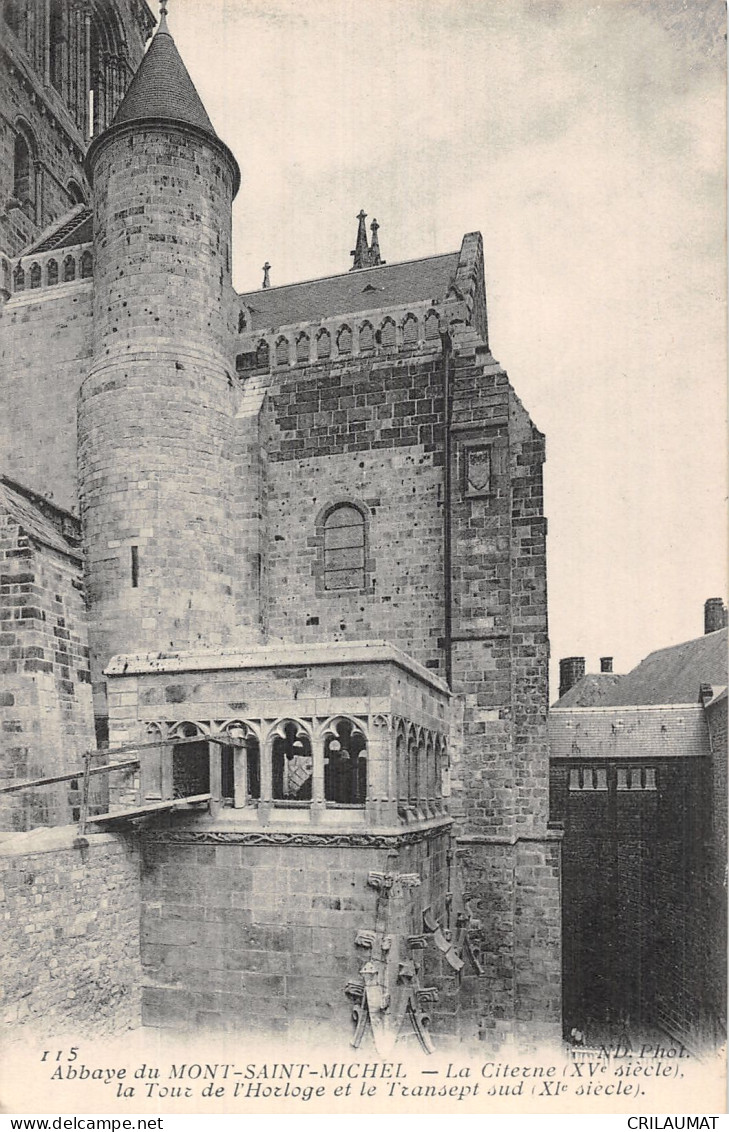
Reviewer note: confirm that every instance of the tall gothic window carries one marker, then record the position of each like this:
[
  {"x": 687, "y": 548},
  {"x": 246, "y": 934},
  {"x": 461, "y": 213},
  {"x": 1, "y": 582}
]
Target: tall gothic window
[
  {"x": 291, "y": 764},
  {"x": 345, "y": 765},
  {"x": 23, "y": 172},
  {"x": 12, "y": 12},
  {"x": 57, "y": 38},
  {"x": 344, "y": 549}
]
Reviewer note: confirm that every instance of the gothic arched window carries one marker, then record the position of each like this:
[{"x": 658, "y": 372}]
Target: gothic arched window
[
  {"x": 282, "y": 352},
  {"x": 87, "y": 265},
  {"x": 35, "y": 276},
  {"x": 12, "y": 13},
  {"x": 57, "y": 38},
  {"x": 431, "y": 325},
  {"x": 19, "y": 279},
  {"x": 366, "y": 337},
  {"x": 263, "y": 354},
  {"x": 323, "y": 344},
  {"x": 344, "y": 340},
  {"x": 291, "y": 763},
  {"x": 410, "y": 330},
  {"x": 75, "y": 192},
  {"x": 23, "y": 171},
  {"x": 345, "y": 764},
  {"x": 387, "y": 333},
  {"x": 344, "y": 549},
  {"x": 302, "y": 347},
  {"x": 69, "y": 269},
  {"x": 52, "y": 273}
]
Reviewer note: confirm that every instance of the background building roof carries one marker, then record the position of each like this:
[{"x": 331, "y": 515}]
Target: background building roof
[
  {"x": 673, "y": 675},
  {"x": 590, "y": 690},
  {"x": 649, "y": 732}
]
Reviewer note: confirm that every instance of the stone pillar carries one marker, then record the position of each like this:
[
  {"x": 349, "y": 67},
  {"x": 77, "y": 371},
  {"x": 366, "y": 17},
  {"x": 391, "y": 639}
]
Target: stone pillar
[
  {"x": 381, "y": 807},
  {"x": 317, "y": 776},
  {"x": 265, "y": 804}
]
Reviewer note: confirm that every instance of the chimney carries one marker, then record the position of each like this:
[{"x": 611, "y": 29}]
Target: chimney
[
  {"x": 714, "y": 615},
  {"x": 606, "y": 664},
  {"x": 571, "y": 669}
]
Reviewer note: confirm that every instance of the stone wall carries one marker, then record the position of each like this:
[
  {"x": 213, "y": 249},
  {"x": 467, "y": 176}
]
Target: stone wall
[
  {"x": 635, "y": 897},
  {"x": 53, "y": 118},
  {"x": 371, "y": 432},
  {"x": 71, "y": 933},
  {"x": 368, "y": 433},
  {"x": 45, "y": 702},
  {"x": 45, "y": 347},
  {"x": 260, "y": 938},
  {"x": 716, "y": 941}
]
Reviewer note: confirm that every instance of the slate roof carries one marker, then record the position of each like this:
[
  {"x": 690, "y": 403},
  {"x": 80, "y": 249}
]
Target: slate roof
[
  {"x": 645, "y": 732},
  {"x": 390, "y": 285},
  {"x": 74, "y": 227},
  {"x": 162, "y": 88},
  {"x": 30, "y": 518},
  {"x": 673, "y": 675},
  {"x": 590, "y": 691}
]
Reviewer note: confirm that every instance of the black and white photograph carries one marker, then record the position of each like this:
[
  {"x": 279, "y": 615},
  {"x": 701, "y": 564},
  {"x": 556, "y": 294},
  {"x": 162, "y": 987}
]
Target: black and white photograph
[{"x": 363, "y": 558}]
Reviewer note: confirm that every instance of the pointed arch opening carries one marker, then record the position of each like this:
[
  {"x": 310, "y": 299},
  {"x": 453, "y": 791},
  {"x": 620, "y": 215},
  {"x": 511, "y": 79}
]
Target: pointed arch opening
[
  {"x": 291, "y": 763},
  {"x": 345, "y": 764},
  {"x": 24, "y": 150}
]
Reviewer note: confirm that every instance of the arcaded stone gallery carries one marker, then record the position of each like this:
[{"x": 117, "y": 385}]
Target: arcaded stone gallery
[{"x": 273, "y": 593}]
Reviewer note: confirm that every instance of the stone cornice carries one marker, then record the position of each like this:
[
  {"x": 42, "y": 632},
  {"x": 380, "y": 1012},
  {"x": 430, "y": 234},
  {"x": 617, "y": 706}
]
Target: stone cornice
[
  {"x": 279, "y": 655},
  {"x": 334, "y": 839}
]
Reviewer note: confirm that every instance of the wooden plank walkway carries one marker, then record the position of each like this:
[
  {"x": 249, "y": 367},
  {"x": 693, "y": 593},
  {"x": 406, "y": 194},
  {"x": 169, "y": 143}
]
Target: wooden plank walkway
[{"x": 150, "y": 808}]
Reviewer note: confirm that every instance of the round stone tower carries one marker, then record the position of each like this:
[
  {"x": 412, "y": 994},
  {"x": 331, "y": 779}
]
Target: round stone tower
[{"x": 156, "y": 412}]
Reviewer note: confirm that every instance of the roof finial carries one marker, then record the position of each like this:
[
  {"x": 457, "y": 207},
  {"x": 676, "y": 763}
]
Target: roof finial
[
  {"x": 266, "y": 275},
  {"x": 162, "y": 26},
  {"x": 375, "y": 258},
  {"x": 361, "y": 250}
]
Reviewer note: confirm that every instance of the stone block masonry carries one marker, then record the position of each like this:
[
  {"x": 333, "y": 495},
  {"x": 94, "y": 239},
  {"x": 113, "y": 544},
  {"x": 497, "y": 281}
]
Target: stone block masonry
[
  {"x": 70, "y": 932},
  {"x": 46, "y": 719},
  {"x": 260, "y": 938},
  {"x": 45, "y": 352}
]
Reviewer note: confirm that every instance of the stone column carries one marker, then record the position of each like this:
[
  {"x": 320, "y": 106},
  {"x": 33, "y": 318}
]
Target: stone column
[
  {"x": 266, "y": 802},
  {"x": 381, "y": 805},
  {"x": 240, "y": 768},
  {"x": 318, "y": 802}
]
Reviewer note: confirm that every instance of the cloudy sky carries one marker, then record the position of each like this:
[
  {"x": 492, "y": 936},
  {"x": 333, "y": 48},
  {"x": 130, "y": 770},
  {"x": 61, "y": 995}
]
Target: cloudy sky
[{"x": 586, "y": 142}]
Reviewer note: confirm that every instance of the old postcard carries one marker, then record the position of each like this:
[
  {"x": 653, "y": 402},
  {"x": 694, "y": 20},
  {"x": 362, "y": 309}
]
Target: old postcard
[{"x": 313, "y": 318}]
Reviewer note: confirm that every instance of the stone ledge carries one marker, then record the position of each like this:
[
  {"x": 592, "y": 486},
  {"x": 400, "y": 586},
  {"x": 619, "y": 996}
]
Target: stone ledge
[
  {"x": 273, "y": 656},
  {"x": 329, "y": 839},
  {"x": 50, "y": 839}
]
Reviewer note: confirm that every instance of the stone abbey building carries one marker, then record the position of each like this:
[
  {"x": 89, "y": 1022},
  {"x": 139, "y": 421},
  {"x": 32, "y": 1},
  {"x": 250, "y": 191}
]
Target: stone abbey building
[{"x": 282, "y": 555}]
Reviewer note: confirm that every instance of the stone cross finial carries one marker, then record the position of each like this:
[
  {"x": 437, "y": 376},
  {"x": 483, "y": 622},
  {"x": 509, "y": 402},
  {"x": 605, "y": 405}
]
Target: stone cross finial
[
  {"x": 266, "y": 275},
  {"x": 361, "y": 250},
  {"x": 162, "y": 16},
  {"x": 375, "y": 257}
]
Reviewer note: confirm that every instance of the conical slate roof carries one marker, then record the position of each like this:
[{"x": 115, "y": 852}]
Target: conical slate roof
[{"x": 162, "y": 88}]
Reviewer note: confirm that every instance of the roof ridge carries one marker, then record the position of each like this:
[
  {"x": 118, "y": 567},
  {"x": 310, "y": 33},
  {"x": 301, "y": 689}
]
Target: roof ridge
[{"x": 348, "y": 274}]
